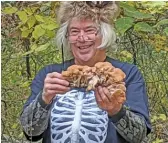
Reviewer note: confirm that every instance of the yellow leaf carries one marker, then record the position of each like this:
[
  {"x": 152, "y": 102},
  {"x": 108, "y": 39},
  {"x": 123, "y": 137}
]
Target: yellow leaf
[
  {"x": 22, "y": 16},
  {"x": 39, "y": 18},
  {"x": 162, "y": 117},
  {"x": 26, "y": 33},
  {"x": 38, "y": 32},
  {"x": 10, "y": 10},
  {"x": 31, "y": 21},
  {"x": 126, "y": 54}
]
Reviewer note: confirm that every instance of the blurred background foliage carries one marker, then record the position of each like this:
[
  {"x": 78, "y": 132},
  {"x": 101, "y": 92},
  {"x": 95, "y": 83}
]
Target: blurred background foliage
[{"x": 27, "y": 34}]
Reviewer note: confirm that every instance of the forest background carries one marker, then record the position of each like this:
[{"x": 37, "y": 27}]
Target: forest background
[{"x": 27, "y": 34}]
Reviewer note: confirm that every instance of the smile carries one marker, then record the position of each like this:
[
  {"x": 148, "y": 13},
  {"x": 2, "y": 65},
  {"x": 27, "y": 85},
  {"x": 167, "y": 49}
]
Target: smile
[{"x": 84, "y": 47}]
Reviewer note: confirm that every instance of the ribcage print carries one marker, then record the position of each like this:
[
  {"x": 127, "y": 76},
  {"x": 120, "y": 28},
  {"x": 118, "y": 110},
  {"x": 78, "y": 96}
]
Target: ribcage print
[{"x": 76, "y": 118}]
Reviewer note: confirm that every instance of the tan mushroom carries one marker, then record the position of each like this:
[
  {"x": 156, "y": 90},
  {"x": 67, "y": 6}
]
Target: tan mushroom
[{"x": 103, "y": 73}]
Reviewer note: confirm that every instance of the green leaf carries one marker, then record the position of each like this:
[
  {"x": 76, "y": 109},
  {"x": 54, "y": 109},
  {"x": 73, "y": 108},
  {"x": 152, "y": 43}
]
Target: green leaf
[
  {"x": 26, "y": 84},
  {"x": 42, "y": 47},
  {"x": 50, "y": 34},
  {"x": 125, "y": 6},
  {"x": 155, "y": 4},
  {"x": 132, "y": 12},
  {"x": 49, "y": 20},
  {"x": 126, "y": 54},
  {"x": 31, "y": 21},
  {"x": 39, "y": 18},
  {"x": 26, "y": 33},
  {"x": 154, "y": 118},
  {"x": 162, "y": 117},
  {"x": 33, "y": 47},
  {"x": 158, "y": 141},
  {"x": 51, "y": 26},
  {"x": 123, "y": 24},
  {"x": 143, "y": 26},
  {"x": 21, "y": 135},
  {"x": 14, "y": 126},
  {"x": 29, "y": 52},
  {"x": 166, "y": 31},
  {"x": 10, "y": 10},
  {"x": 38, "y": 32},
  {"x": 22, "y": 16},
  {"x": 137, "y": 14},
  {"x": 34, "y": 8},
  {"x": 20, "y": 24},
  {"x": 162, "y": 22},
  {"x": 28, "y": 10},
  {"x": 36, "y": 50},
  {"x": 24, "y": 28}
]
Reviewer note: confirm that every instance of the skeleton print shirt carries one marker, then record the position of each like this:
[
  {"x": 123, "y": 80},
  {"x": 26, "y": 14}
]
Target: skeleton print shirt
[{"x": 74, "y": 117}]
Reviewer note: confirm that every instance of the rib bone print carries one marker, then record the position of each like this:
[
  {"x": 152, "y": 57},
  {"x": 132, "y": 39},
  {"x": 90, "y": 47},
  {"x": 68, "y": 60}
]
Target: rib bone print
[{"x": 76, "y": 118}]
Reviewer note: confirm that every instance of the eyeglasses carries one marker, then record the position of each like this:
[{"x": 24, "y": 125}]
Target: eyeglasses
[{"x": 87, "y": 35}]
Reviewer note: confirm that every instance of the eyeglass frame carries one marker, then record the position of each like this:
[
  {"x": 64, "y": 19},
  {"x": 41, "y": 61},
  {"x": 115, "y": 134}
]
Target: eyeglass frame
[{"x": 86, "y": 35}]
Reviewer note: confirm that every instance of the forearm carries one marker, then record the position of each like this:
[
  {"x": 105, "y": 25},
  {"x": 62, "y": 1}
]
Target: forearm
[
  {"x": 34, "y": 118},
  {"x": 131, "y": 127}
]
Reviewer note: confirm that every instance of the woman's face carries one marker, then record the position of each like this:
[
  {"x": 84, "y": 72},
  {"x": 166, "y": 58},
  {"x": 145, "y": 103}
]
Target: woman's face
[{"x": 84, "y": 38}]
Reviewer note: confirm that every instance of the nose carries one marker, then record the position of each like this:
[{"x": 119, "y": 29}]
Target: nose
[{"x": 82, "y": 37}]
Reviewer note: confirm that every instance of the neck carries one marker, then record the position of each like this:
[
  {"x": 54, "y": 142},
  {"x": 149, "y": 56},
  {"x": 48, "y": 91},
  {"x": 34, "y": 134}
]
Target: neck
[{"x": 99, "y": 57}]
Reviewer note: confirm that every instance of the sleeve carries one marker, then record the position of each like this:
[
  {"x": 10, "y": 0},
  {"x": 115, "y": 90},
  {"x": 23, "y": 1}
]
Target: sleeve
[
  {"x": 132, "y": 122},
  {"x": 130, "y": 126},
  {"x": 37, "y": 85},
  {"x": 136, "y": 96},
  {"x": 35, "y": 115}
]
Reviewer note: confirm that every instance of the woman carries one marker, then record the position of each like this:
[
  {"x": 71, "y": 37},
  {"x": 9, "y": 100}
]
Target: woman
[{"x": 57, "y": 113}]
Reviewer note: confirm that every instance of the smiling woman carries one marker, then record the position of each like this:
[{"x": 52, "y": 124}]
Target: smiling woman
[
  {"x": 59, "y": 112},
  {"x": 87, "y": 40},
  {"x": 86, "y": 33}
]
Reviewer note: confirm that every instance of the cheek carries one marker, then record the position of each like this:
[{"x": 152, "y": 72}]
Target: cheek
[
  {"x": 98, "y": 41},
  {"x": 74, "y": 49}
]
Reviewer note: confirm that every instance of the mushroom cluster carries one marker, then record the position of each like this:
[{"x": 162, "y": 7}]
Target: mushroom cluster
[{"x": 103, "y": 73}]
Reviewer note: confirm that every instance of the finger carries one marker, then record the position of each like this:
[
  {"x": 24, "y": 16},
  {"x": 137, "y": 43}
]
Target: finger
[
  {"x": 107, "y": 93},
  {"x": 98, "y": 99},
  {"x": 102, "y": 95},
  {"x": 57, "y": 81},
  {"x": 55, "y": 74},
  {"x": 57, "y": 87},
  {"x": 50, "y": 92},
  {"x": 53, "y": 92},
  {"x": 97, "y": 96}
]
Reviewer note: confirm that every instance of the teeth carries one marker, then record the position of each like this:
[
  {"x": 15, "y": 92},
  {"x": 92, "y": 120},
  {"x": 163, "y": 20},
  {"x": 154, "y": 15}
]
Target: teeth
[{"x": 83, "y": 47}]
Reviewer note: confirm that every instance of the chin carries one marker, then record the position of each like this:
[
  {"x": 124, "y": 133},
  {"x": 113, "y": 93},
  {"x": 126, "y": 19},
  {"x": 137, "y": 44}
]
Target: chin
[{"x": 86, "y": 58}]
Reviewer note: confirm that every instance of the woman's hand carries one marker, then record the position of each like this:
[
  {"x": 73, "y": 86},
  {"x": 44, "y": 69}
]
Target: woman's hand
[
  {"x": 54, "y": 84},
  {"x": 111, "y": 103}
]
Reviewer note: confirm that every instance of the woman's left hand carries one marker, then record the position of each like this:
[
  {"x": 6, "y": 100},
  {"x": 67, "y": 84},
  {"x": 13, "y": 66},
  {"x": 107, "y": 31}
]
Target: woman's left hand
[{"x": 111, "y": 103}]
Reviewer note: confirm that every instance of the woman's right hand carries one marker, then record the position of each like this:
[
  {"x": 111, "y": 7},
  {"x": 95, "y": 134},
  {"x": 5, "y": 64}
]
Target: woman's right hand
[{"x": 54, "y": 83}]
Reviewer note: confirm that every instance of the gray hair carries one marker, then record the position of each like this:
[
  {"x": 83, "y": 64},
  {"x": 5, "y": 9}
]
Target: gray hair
[
  {"x": 106, "y": 30},
  {"x": 108, "y": 35}
]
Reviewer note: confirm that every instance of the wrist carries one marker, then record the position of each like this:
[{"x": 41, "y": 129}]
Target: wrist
[
  {"x": 116, "y": 117},
  {"x": 42, "y": 102},
  {"x": 116, "y": 111},
  {"x": 45, "y": 99}
]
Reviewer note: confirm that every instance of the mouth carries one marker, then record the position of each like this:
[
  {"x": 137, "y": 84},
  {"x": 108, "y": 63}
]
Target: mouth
[{"x": 84, "y": 47}]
